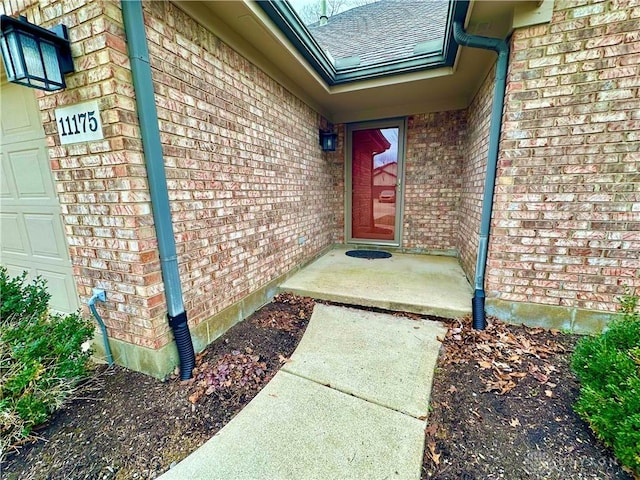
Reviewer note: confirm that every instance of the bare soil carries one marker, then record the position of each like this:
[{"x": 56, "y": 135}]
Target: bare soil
[{"x": 501, "y": 407}]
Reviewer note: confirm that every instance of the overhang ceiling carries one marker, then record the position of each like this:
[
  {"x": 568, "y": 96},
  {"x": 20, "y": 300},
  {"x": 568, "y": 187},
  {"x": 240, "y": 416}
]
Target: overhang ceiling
[{"x": 246, "y": 28}]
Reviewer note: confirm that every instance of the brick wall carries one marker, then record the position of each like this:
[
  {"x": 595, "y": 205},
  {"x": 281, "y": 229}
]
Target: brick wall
[
  {"x": 474, "y": 169},
  {"x": 336, "y": 161},
  {"x": 102, "y": 185},
  {"x": 567, "y": 211},
  {"x": 433, "y": 179},
  {"x": 246, "y": 176}
]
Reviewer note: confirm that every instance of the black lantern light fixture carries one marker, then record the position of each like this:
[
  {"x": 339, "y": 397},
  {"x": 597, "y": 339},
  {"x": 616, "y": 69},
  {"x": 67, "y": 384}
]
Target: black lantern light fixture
[
  {"x": 34, "y": 56},
  {"x": 328, "y": 140}
]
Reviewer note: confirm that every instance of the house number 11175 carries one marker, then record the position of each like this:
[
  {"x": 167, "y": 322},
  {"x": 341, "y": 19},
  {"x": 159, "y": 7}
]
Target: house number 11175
[{"x": 79, "y": 123}]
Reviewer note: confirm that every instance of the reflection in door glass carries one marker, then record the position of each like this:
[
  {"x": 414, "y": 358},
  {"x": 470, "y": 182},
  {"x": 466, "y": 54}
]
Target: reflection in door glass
[{"x": 374, "y": 160}]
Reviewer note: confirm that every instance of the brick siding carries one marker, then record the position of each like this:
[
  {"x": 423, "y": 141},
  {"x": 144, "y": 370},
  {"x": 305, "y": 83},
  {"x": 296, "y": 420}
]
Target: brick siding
[
  {"x": 567, "y": 206},
  {"x": 102, "y": 185},
  {"x": 248, "y": 180},
  {"x": 336, "y": 162},
  {"x": 473, "y": 175},
  {"x": 433, "y": 174},
  {"x": 246, "y": 176}
]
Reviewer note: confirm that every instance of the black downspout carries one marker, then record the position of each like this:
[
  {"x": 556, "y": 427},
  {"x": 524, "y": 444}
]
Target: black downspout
[
  {"x": 501, "y": 47},
  {"x": 150, "y": 132}
]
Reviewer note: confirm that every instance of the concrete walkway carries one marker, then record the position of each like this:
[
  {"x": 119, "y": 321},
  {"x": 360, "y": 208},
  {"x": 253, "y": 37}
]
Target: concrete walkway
[
  {"x": 350, "y": 404},
  {"x": 426, "y": 284}
]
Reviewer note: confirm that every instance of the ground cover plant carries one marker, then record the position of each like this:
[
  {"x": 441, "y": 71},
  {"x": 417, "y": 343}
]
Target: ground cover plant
[
  {"x": 608, "y": 367},
  {"x": 41, "y": 357},
  {"x": 508, "y": 417}
]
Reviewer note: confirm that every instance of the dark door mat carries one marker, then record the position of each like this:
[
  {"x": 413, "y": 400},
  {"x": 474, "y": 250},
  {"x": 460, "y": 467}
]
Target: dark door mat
[{"x": 368, "y": 254}]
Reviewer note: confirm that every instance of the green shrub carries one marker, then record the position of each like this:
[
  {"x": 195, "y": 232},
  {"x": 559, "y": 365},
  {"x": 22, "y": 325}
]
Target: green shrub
[
  {"x": 16, "y": 298},
  {"x": 608, "y": 367},
  {"x": 41, "y": 357}
]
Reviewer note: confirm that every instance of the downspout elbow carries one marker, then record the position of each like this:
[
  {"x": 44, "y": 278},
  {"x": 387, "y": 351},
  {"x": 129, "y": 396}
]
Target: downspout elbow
[
  {"x": 477, "y": 41},
  {"x": 459, "y": 35}
]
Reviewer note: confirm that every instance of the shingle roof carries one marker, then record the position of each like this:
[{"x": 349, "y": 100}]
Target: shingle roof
[{"x": 383, "y": 31}]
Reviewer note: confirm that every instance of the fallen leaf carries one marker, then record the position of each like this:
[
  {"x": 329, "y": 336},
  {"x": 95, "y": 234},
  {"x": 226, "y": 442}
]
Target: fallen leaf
[
  {"x": 515, "y": 422},
  {"x": 283, "y": 359},
  {"x": 502, "y": 366},
  {"x": 541, "y": 377},
  {"x": 536, "y": 330},
  {"x": 548, "y": 393},
  {"x": 452, "y": 389},
  {"x": 431, "y": 429},
  {"x": 435, "y": 457},
  {"x": 484, "y": 364},
  {"x": 195, "y": 396},
  {"x": 501, "y": 386}
]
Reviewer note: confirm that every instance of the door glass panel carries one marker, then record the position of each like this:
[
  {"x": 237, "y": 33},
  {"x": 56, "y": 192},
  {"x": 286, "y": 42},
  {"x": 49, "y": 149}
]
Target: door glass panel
[{"x": 374, "y": 180}]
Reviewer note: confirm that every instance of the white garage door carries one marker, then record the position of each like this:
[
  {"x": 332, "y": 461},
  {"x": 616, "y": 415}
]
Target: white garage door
[{"x": 31, "y": 234}]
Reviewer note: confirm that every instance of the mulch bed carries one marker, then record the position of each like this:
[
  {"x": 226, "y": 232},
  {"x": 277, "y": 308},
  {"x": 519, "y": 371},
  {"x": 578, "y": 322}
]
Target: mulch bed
[
  {"x": 501, "y": 407},
  {"x": 129, "y": 425}
]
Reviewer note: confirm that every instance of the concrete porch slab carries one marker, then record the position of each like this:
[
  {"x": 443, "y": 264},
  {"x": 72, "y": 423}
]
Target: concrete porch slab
[
  {"x": 297, "y": 429},
  {"x": 426, "y": 284},
  {"x": 380, "y": 358}
]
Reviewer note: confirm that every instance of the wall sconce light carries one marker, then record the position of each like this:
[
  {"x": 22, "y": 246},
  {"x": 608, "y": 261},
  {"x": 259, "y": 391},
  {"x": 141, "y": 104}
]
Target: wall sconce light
[
  {"x": 328, "y": 140},
  {"x": 34, "y": 56}
]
